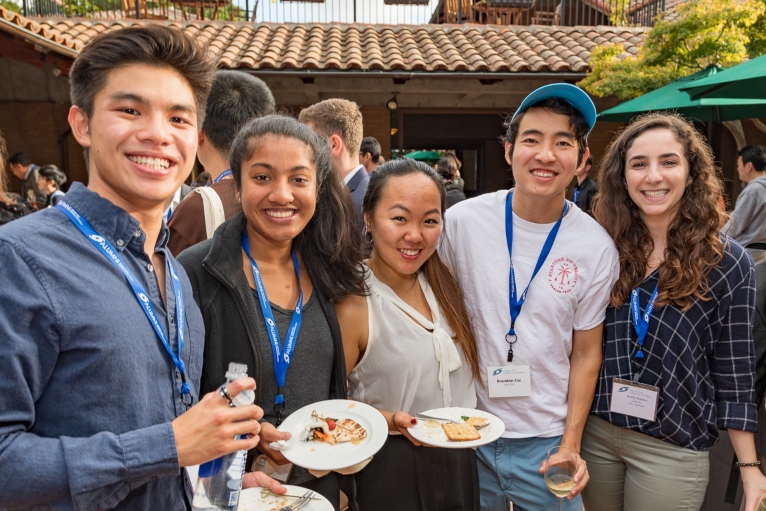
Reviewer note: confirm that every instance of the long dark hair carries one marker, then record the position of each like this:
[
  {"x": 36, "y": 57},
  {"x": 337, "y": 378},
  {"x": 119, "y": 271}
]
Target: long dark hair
[
  {"x": 4, "y": 198},
  {"x": 330, "y": 244},
  {"x": 694, "y": 243},
  {"x": 448, "y": 295}
]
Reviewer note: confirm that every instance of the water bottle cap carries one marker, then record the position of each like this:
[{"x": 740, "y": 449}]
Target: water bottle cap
[
  {"x": 244, "y": 398},
  {"x": 236, "y": 371}
]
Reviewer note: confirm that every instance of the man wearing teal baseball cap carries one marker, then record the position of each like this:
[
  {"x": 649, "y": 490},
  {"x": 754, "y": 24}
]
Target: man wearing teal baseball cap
[{"x": 536, "y": 273}]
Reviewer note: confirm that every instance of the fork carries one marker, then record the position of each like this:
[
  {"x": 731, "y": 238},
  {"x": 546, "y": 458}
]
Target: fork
[
  {"x": 302, "y": 502},
  {"x": 451, "y": 421}
]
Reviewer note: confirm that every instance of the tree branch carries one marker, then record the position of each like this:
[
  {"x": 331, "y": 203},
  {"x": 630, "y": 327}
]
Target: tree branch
[
  {"x": 758, "y": 124},
  {"x": 737, "y": 131}
]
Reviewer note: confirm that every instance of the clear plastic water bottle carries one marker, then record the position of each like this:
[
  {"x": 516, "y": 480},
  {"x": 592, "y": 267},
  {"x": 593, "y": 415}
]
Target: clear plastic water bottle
[{"x": 220, "y": 481}]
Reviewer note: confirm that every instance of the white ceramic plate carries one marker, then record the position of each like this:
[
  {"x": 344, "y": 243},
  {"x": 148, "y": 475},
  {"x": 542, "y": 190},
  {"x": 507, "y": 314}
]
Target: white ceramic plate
[
  {"x": 323, "y": 456},
  {"x": 252, "y": 499},
  {"x": 431, "y": 432}
]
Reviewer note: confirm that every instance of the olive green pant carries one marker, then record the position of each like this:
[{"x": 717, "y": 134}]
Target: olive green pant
[{"x": 630, "y": 471}]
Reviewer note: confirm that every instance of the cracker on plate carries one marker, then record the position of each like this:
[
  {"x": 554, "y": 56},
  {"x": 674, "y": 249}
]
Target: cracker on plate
[
  {"x": 476, "y": 421},
  {"x": 461, "y": 432}
]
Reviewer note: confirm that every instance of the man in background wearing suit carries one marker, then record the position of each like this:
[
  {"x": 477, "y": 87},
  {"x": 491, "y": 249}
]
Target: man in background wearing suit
[{"x": 340, "y": 123}]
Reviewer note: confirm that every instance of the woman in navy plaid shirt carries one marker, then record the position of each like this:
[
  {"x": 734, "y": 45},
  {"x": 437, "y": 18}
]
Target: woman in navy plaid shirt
[{"x": 678, "y": 349}]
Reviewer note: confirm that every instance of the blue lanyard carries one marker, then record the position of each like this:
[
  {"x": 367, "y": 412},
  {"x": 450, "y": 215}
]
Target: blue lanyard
[
  {"x": 577, "y": 191},
  {"x": 226, "y": 173},
  {"x": 282, "y": 358},
  {"x": 106, "y": 248},
  {"x": 641, "y": 322},
  {"x": 517, "y": 303}
]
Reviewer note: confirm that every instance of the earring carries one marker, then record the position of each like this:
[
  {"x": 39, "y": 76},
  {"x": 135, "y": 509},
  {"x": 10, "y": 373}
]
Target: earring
[{"x": 365, "y": 233}]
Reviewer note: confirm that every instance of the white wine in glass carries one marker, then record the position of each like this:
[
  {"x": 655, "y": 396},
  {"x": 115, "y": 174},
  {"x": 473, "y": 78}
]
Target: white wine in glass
[
  {"x": 762, "y": 504},
  {"x": 560, "y": 468}
]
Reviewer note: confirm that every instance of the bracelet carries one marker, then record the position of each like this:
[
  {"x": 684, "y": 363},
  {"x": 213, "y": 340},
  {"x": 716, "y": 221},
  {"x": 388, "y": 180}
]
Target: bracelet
[{"x": 751, "y": 464}]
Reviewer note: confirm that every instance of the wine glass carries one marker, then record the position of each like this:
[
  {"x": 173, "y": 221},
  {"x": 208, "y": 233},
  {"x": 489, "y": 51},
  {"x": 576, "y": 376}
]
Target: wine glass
[
  {"x": 761, "y": 504},
  {"x": 560, "y": 468}
]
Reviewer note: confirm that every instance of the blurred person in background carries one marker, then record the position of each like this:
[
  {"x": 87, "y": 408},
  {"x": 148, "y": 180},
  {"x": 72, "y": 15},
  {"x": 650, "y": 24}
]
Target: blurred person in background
[
  {"x": 748, "y": 220},
  {"x": 586, "y": 188},
  {"x": 369, "y": 153},
  {"x": 50, "y": 179},
  {"x": 448, "y": 170},
  {"x": 23, "y": 168},
  {"x": 235, "y": 99},
  {"x": 202, "y": 179},
  {"x": 12, "y": 206}
]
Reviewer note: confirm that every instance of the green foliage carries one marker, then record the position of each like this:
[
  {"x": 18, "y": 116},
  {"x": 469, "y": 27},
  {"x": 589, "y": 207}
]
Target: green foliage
[
  {"x": 707, "y": 32},
  {"x": 10, "y": 5},
  {"x": 80, "y": 8}
]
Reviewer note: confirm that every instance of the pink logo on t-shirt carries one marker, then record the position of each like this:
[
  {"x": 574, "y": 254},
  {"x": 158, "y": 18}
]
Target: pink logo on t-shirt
[{"x": 562, "y": 275}]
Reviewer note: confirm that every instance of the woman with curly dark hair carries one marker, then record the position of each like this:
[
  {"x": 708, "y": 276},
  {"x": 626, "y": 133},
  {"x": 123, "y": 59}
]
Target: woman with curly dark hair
[{"x": 678, "y": 348}]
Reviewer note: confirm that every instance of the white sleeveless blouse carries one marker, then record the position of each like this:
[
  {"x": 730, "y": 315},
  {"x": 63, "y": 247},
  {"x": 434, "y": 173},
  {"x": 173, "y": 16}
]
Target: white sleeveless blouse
[{"x": 411, "y": 363}]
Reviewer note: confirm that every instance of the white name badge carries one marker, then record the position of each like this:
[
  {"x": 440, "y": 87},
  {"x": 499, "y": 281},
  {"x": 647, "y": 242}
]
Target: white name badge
[
  {"x": 509, "y": 381},
  {"x": 634, "y": 399}
]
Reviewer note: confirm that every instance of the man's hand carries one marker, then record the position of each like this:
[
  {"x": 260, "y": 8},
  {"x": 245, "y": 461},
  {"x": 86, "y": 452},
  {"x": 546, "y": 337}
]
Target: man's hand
[
  {"x": 255, "y": 479},
  {"x": 270, "y": 434},
  {"x": 580, "y": 478},
  {"x": 207, "y": 431}
]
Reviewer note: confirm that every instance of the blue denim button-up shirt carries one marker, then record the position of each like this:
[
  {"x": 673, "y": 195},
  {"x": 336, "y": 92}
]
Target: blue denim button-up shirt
[{"x": 87, "y": 390}]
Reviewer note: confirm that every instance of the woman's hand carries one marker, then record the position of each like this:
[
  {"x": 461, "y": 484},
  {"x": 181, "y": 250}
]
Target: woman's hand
[
  {"x": 270, "y": 434},
  {"x": 754, "y": 483},
  {"x": 255, "y": 479},
  {"x": 402, "y": 421}
]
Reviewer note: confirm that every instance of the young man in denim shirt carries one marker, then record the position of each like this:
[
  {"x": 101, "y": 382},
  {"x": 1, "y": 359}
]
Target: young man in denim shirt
[{"x": 101, "y": 340}]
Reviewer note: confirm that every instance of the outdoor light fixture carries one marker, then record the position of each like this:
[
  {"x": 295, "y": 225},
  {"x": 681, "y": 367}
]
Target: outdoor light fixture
[{"x": 392, "y": 103}]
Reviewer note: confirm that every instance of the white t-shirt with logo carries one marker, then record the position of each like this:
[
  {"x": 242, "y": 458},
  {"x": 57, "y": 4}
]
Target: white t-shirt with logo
[{"x": 570, "y": 292}]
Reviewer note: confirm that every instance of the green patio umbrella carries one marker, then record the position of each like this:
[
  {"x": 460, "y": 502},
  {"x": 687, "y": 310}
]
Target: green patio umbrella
[
  {"x": 744, "y": 81},
  {"x": 428, "y": 156},
  {"x": 671, "y": 97}
]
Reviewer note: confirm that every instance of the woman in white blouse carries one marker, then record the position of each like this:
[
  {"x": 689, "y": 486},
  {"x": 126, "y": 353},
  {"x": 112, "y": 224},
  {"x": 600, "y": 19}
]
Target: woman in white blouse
[{"x": 409, "y": 346}]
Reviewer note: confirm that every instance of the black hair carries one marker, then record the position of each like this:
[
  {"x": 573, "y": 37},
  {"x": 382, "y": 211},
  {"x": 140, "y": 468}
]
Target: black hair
[
  {"x": 330, "y": 245},
  {"x": 20, "y": 158},
  {"x": 447, "y": 168},
  {"x": 235, "y": 99},
  {"x": 52, "y": 173},
  {"x": 577, "y": 123},
  {"x": 443, "y": 283},
  {"x": 372, "y": 146},
  {"x": 755, "y": 154},
  {"x": 154, "y": 45}
]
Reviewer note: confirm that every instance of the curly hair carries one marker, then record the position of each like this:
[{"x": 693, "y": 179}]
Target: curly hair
[{"x": 694, "y": 244}]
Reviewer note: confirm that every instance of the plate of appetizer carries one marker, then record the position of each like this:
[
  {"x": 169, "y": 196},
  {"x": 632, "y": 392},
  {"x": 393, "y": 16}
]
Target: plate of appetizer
[
  {"x": 262, "y": 499},
  {"x": 456, "y": 428},
  {"x": 333, "y": 434}
]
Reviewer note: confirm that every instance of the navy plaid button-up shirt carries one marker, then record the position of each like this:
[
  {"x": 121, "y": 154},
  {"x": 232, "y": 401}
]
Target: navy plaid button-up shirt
[{"x": 702, "y": 359}]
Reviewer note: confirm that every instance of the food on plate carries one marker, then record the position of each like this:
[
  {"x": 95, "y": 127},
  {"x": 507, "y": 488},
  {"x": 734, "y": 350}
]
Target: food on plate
[
  {"x": 460, "y": 432},
  {"x": 333, "y": 431},
  {"x": 475, "y": 421}
]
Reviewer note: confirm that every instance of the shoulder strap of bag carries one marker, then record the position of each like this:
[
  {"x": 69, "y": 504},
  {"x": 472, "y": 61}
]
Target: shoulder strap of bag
[{"x": 214, "y": 215}]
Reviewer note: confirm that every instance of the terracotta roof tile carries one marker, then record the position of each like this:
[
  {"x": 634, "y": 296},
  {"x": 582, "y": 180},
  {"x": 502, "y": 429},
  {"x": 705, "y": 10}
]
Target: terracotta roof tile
[{"x": 445, "y": 48}]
